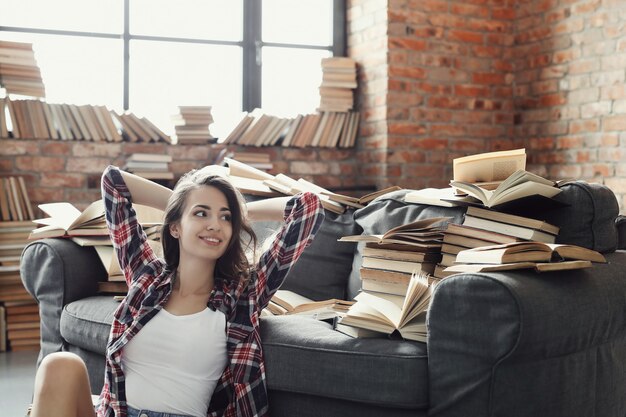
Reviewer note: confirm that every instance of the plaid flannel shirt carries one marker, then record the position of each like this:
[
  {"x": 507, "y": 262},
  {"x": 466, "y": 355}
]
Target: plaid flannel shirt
[{"x": 241, "y": 390}]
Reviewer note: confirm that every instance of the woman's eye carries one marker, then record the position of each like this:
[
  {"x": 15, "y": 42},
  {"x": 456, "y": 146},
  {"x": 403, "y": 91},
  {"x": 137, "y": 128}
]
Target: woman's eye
[
  {"x": 200, "y": 213},
  {"x": 226, "y": 217}
]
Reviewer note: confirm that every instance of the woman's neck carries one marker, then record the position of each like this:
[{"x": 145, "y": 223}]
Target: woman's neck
[{"x": 194, "y": 277}]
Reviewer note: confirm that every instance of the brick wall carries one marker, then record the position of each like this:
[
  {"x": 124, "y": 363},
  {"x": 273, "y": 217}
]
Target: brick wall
[
  {"x": 70, "y": 171},
  {"x": 473, "y": 76},
  {"x": 438, "y": 79},
  {"x": 571, "y": 89}
]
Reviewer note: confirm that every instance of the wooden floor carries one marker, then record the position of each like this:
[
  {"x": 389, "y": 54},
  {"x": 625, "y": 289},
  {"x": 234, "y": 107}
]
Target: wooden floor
[{"x": 17, "y": 375}]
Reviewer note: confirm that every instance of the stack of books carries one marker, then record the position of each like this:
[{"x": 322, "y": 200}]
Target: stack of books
[
  {"x": 339, "y": 78},
  {"x": 191, "y": 125},
  {"x": 19, "y": 72},
  {"x": 482, "y": 227},
  {"x": 21, "y": 321},
  {"x": 396, "y": 285},
  {"x": 542, "y": 257},
  {"x": 150, "y": 166},
  {"x": 256, "y": 160},
  {"x": 389, "y": 260}
]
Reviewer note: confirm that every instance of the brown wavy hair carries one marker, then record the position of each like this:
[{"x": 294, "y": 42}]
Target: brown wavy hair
[{"x": 234, "y": 263}]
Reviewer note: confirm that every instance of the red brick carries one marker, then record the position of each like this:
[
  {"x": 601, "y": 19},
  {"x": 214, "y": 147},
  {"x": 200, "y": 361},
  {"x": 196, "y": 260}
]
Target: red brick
[
  {"x": 424, "y": 171},
  {"x": 549, "y": 100},
  {"x": 407, "y": 72},
  {"x": 612, "y": 154},
  {"x": 448, "y": 130},
  {"x": 55, "y": 179},
  {"x": 541, "y": 143},
  {"x": 569, "y": 142},
  {"x": 7, "y": 166},
  {"x": 87, "y": 149},
  {"x": 87, "y": 165},
  {"x": 430, "y": 115},
  {"x": 19, "y": 147},
  {"x": 503, "y": 13},
  {"x": 336, "y": 154},
  {"x": 591, "y": 125},
  {"x": 487, "y": 51},
  {"x": 428, "y": 5},
  {"x": 56, "y": 148},
  {"x": 405, "y": 156},
  {"x": 40, "y": 163},
  {"x": 488, "y": 78},
  {"x": 585, "y": 7},
  {"x": 617, "y": 185},
  {"x": 465, "y": 36},
  {"x": 565, "y": 171},
  {"x": 447, "y": 102},
  {"x": 406, "y": 128},
  {"x": 407, "y": 43},
  {"x": 467, "y": 146},
  {"x": 469, "y": 10},
  {"x": 617, "y": 122},
  {"x": 40, "y": 195},
  {"x": 312, "y": 168},
  {"x": 471, "y": 90}
]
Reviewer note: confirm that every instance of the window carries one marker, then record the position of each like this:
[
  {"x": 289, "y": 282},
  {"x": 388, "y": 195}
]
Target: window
[{"x": 149, "y": 56}]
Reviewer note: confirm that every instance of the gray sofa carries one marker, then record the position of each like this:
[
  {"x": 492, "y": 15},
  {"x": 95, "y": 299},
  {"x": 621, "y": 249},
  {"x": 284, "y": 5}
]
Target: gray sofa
[{"x": 501, "y": 344}]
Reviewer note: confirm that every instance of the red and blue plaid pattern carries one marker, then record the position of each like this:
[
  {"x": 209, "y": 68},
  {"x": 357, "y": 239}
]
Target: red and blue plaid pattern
[{"x": 241, "y": 390}]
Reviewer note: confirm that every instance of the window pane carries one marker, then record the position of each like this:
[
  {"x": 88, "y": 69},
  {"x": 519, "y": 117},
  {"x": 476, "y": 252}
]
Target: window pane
[
  {"x": 80, "y": 15},
  {"x": 91, "y": 76},
  {"x": 164, "y": 75},
  {"x": 308, "y": 22},
  {"x": 205, "y": 19},
  {"x": 291, "y": 78}
]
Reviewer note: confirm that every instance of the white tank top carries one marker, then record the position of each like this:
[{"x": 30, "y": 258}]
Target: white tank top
[{"x": 174, "y": 363}]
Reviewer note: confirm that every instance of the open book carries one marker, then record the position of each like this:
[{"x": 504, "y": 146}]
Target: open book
[
  {"x": 518, "y": 185},
  {"x": 527, "y": 251},
  {"x": 537, "y": 266},
  {"x": 359, "y": 202},
  {"x": 387, "y": 313},
  {"x": 426, "y": 234},
  {"x": 289, "y": 302},
  {"x": 488, "y": 168},
  {"x": 67, "y": 220}
]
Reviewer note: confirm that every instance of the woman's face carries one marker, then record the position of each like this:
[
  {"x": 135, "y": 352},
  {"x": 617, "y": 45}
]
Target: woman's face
[{"x": 205, "y": 228}]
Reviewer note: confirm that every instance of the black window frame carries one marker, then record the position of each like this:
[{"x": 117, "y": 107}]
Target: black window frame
[{"x": 251, "y": 45}]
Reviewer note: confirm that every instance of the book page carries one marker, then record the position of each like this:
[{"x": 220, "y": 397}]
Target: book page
[
  {"x": 488, "y": 167},
  {"x": 62, "y": 215},
  {"x": 388, "y": 309},
  {"x": 289, "y": 299},
  {"x": 239, "y": 169}
]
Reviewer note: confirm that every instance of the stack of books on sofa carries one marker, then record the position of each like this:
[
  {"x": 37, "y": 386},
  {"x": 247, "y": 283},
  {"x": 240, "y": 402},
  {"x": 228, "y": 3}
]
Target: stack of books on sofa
[
  {"x": 542, "y": 257},
  {"x": 285, "y": 302},
  {"x": 339, "y": 79},
  {"x": 395, "y": 271},
  {"x": 483, "y": 227}
]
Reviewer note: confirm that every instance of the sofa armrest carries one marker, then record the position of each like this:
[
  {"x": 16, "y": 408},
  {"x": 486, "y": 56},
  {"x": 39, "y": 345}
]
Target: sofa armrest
[
  {"x": 521, "y": 343},
  {"x": 620, "y": 223},
  {"x": 56, "y": 272}
]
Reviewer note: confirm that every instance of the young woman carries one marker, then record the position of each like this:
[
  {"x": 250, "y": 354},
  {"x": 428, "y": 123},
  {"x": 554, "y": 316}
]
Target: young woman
[{"x": 185, "y": 340}]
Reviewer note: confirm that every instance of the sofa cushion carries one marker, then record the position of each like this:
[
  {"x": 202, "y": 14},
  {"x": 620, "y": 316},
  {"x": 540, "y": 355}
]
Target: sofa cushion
[
  {"x": 86, "y": 323},
  {"x": 324, "y": 267},
  {"x": 303, "y": 355},
  {"x": 389, "y": 211}
]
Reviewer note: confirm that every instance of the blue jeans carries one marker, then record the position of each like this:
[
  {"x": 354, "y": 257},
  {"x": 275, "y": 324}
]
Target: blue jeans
[{"x": 133, "y": 412}]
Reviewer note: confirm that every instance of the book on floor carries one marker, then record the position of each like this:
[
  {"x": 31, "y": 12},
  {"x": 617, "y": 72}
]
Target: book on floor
[
  {"x": 387, "y": 314},
  {"x": 518, "y": 185}
]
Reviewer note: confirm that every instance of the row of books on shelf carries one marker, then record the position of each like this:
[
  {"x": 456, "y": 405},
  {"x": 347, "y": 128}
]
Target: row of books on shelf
[
  {"x": 14, "y": 201},
  {"x": 36, "y": 119},
  {"x": 327, "y": 129},
  {"x": 19, "y": 72}
]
